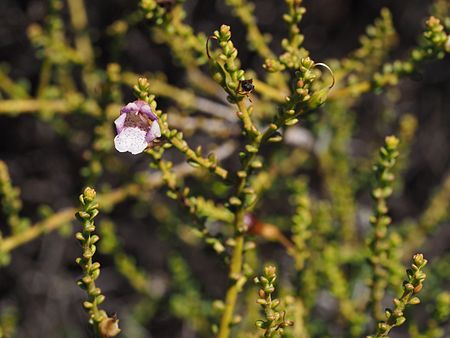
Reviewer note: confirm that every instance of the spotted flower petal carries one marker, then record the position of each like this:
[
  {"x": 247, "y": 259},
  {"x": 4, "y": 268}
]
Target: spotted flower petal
[{"x": 132, "y": 140}]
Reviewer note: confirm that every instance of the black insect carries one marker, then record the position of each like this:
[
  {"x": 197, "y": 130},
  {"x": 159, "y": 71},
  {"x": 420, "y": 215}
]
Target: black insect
[{"x": 246, "y": 87}]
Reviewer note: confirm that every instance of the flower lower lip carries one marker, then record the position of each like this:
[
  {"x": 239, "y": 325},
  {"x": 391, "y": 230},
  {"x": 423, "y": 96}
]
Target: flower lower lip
[
  {"x": 132, "y": 140},
  {"x": 137, "y": 127}
]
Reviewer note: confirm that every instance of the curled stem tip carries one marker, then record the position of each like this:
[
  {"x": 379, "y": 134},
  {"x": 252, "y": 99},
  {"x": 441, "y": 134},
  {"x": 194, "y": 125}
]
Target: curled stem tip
[
  {"x": 324, "y": 65},
  {"x": 207, "y": 45}
]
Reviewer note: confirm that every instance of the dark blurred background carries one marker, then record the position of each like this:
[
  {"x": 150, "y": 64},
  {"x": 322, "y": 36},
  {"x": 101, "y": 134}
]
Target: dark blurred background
[{"x": 46, "y": 167}]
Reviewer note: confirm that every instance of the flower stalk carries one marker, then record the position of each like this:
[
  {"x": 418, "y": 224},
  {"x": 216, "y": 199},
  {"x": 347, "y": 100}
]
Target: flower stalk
[
  {"x": 379, "y": 243},
  {"x": 274, "y": 322},
  {"x": 411, "y": 287},
  {"x": 103, "y": 325}
]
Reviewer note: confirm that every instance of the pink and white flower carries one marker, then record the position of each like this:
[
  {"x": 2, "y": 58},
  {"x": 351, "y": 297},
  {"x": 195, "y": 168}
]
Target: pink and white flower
[{"x": 137, "y": 127}]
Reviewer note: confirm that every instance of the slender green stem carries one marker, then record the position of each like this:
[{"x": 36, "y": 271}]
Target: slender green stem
[
  {"x": 269, "y": 91},
  {"x": 44, "y": 77},
  {"x": 79, "y": 20},
  {"x": 233, "y": 290},
  {"x": 182, "y": 146},
  {"x": 11, "y": 88},
  {"x": 380, "y": 221},
  {"x": 237, "y": 256},
  {"x": 16, "y": 107}
]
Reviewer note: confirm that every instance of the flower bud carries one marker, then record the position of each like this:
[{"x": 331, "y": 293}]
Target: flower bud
[
  {"x": 270, "y": 271},
  {"x": 89, "y": 194},
  {"x": 109, "y": 327},
  {"x": 419, "y": 260},
  {"x": 391, "y": 142},
  {"x": 418, "y": 288}
]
